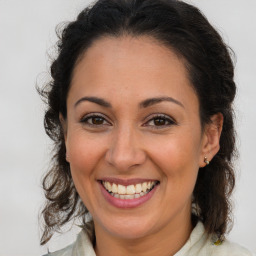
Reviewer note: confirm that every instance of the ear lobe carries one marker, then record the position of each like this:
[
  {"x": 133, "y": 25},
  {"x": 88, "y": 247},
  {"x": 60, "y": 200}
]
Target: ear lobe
[
  {"x": 211, "y": 139},
  {"x": 63, "y": 125}
]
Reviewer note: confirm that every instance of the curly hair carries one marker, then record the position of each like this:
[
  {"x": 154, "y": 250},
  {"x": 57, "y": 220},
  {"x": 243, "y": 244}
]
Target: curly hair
[{"x": 185, "y": 30}]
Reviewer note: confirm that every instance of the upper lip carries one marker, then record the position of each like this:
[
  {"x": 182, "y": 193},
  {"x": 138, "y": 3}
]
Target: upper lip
[{"x": 126, "y": 182}]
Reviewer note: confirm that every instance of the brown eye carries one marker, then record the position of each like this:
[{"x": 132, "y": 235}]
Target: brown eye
[
  {"x": 94, "y": 120},
  {"x": 97, "y": 120},
  {"x": 160, "y": 121}
]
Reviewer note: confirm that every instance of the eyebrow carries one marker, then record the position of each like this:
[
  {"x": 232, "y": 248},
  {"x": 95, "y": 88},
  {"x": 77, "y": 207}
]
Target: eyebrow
[
  {"x": 149, "y": 102},
  {"x": 96, "y": 100},
  {"x": 144, "y": 104}
]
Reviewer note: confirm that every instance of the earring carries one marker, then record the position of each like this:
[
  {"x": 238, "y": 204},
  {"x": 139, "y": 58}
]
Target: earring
[
  {"x": 67, "y": 157},
  {"x": 206, "y": 160}
]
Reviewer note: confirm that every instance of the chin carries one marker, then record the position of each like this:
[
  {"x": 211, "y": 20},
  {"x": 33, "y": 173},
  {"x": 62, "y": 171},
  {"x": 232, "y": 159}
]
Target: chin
[{"x": 128, "y": 228}]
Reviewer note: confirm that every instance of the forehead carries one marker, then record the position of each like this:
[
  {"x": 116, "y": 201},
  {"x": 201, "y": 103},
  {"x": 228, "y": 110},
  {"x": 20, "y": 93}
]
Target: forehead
[{"x": 130, "y": 66}]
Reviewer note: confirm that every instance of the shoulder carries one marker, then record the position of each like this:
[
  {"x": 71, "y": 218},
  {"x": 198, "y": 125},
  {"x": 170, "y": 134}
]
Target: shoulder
[
  {"x": 82, "y": 246},
  {"x": 231, "y": 249},
  {"x": 67, "y": 251},
  {"x": 201, "y": 244}
]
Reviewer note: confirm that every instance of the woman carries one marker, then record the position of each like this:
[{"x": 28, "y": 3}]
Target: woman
[{"x": 140, "y": 110}]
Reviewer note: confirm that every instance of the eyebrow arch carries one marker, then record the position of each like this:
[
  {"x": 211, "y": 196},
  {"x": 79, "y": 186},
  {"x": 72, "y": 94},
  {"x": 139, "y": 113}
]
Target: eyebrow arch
[
  {"x": 96, "y": 100},
  {"x": 149, "y": 102}
]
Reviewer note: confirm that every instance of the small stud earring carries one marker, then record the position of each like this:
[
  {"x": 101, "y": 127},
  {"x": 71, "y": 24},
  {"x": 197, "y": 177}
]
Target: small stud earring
[
  {"x": 67, "y": 157},
  {"x": 206, "y": 160}
]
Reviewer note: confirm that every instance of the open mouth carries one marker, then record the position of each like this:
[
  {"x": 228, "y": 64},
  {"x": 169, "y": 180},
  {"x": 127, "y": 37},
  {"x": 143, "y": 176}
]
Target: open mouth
[{"x": 131, "y": 191}]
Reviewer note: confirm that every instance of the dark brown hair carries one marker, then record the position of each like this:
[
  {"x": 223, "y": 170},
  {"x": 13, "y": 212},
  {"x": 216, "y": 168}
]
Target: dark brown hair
[{"x": 185, "y": 30}]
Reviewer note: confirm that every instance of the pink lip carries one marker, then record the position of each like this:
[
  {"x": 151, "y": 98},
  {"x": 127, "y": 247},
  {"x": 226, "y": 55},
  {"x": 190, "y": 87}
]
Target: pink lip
[{"x": 126, "y": 203}]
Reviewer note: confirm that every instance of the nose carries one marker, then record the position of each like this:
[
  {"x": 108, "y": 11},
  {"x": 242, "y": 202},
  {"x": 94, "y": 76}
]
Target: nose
[{"x": 125, "y": 150}]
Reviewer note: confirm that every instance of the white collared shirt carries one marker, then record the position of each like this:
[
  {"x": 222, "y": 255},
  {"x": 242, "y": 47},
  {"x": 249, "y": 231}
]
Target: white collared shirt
[{"x": 198, "y": 244}]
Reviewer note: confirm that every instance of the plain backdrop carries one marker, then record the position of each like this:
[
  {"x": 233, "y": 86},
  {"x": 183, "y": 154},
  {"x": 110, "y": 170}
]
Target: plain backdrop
[{"x": 27, "y": 35}]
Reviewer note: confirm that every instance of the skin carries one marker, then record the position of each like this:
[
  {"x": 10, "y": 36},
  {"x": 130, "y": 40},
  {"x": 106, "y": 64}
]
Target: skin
[{"x": 127, "y": 142}]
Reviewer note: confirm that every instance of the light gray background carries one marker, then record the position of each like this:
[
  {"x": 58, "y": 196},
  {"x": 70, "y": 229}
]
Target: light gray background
[{"x": 26, "y": 35}]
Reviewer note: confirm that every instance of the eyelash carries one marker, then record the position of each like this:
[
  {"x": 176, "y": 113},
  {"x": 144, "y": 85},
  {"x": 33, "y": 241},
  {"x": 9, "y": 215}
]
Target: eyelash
[
  {"x": 170, "y": 121},
  {"x": 85, "y": 120}
]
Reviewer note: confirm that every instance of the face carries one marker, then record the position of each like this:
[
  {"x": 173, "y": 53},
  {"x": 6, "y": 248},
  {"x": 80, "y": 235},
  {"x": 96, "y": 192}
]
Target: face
[{"x": 133, "y": 136}]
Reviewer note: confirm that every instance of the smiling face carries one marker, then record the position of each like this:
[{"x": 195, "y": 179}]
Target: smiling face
[{"x": 133, "y": 128}]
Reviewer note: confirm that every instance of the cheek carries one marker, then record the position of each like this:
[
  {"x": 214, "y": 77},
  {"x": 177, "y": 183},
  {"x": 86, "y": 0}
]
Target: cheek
[
  {"x": 84, "y": 157},
  {"x": 84, "y": 152},
  {"x": 177, "y": 155}
]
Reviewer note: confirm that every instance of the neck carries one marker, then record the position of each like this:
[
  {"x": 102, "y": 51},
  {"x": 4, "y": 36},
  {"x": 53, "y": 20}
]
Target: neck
[{"x": 166, "y": 241}]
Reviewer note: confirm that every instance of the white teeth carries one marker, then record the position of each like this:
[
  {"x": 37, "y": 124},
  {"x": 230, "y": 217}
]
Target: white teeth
[
  {"x": 144, "y": 186},
  {"x": 114, "y": 188},
  {"x": 121, "y": 189},
  {"x": 129, "y": 197},
  {"x": 108, "y": 186},
  {"x": 130, "y": 190},
  {"x": 138, "y": 188}
]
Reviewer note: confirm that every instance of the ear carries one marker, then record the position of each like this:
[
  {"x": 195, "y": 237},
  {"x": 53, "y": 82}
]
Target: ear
[
  {"x": 211, "y": 139},
  {"x": 64, "y": 129}
]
